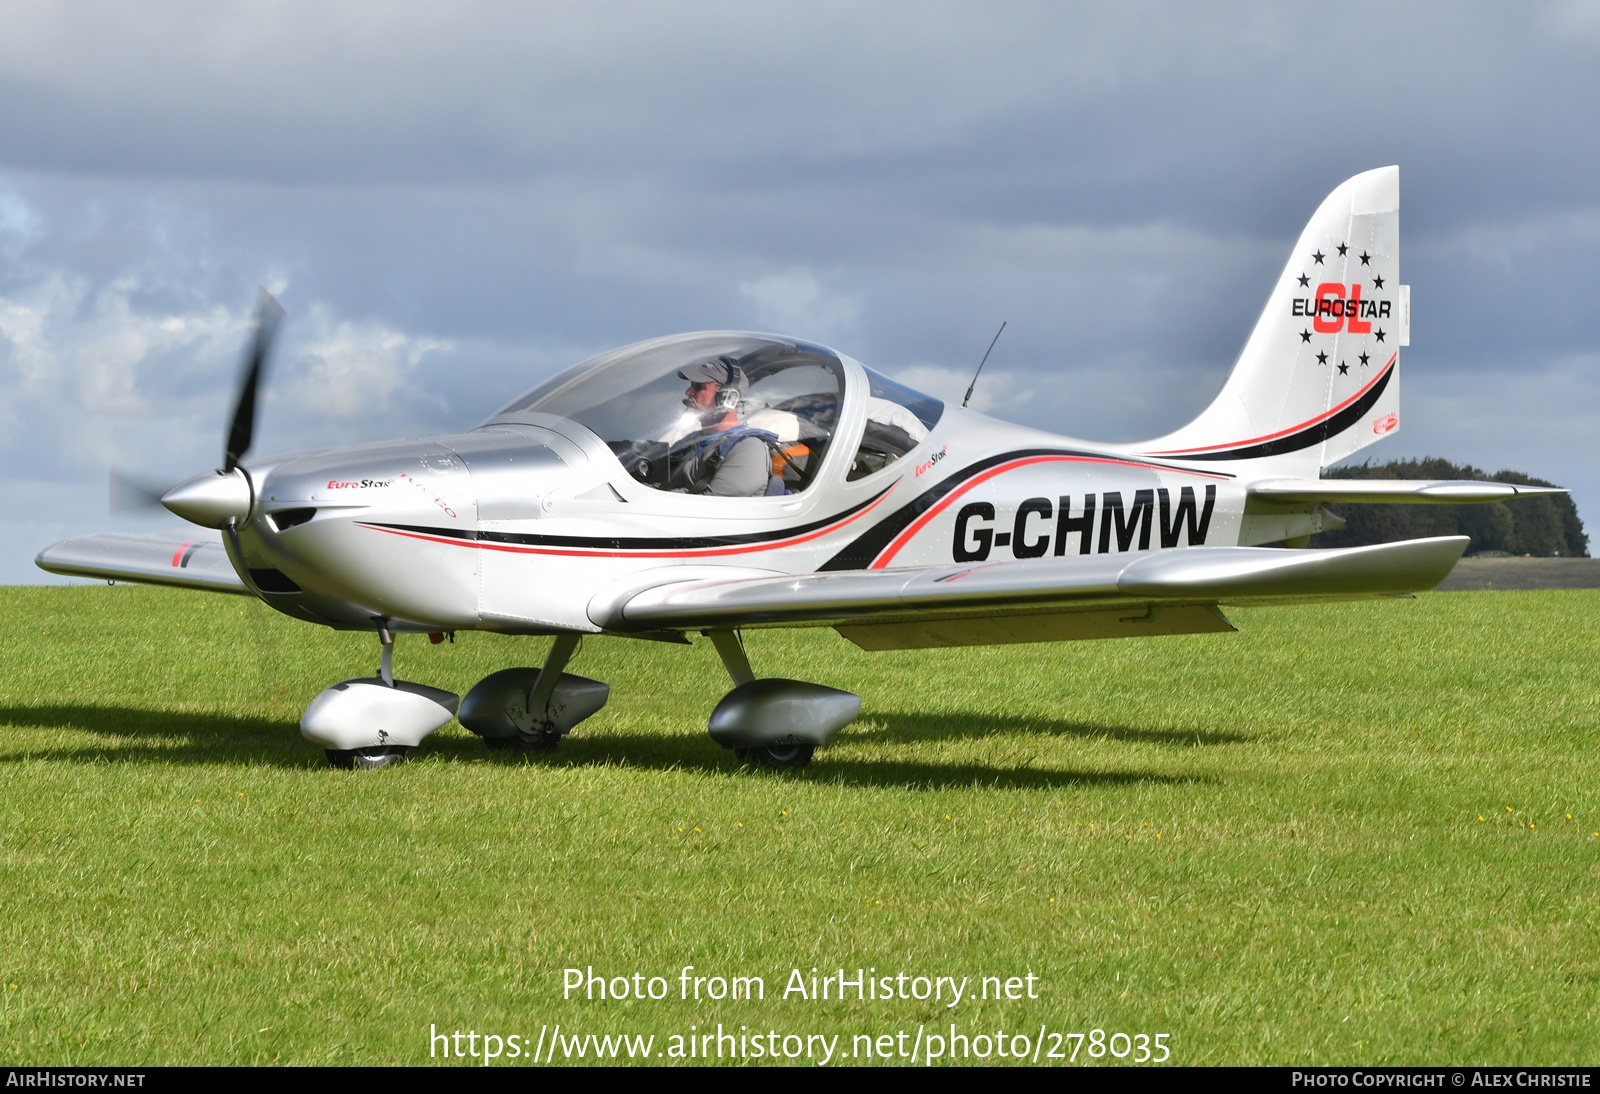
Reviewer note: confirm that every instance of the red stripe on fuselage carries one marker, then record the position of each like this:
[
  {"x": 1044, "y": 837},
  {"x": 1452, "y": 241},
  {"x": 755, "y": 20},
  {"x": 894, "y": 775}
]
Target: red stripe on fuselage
[{"x": 586, "y": 552}]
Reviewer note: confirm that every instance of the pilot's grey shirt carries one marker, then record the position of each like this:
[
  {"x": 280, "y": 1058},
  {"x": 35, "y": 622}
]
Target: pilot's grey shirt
[{"x": 745, "y": 471}]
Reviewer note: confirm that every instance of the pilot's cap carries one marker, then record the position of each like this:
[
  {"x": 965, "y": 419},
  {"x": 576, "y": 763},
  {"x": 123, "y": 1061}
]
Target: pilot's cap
[{"x": 718, "y": 370}]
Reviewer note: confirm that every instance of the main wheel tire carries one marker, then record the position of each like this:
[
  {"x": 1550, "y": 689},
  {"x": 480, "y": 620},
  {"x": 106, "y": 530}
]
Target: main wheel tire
[
  {"x": 780, "y": 757},
  {"x": 367, "y": 758},
  {"x": 542, "y": 742}
]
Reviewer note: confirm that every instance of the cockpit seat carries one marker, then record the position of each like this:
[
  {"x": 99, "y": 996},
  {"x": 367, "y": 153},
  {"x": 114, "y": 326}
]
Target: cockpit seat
[{"x": 781, "y": 423}]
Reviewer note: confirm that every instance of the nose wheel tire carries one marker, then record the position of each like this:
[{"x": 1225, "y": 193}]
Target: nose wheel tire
[
  {"x": 364, "y": 758},
  {"x": 780, "y": 757}
]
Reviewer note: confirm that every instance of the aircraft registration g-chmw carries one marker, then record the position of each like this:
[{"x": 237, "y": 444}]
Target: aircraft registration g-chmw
[{"x": 723, "y": 480}]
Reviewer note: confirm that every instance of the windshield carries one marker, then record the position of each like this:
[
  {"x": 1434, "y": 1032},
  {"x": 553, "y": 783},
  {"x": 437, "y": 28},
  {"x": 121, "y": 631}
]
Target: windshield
[{"x": 785, "y": 394}]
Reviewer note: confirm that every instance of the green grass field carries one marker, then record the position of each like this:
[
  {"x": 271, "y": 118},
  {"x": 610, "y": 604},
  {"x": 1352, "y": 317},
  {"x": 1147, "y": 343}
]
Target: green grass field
[{"x": 1360, "y": 833}]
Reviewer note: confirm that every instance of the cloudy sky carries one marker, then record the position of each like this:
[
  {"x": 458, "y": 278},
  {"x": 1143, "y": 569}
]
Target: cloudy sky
[{"x": 455, "y": 200}]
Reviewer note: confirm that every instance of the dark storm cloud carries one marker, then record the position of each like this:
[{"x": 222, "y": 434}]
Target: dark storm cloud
[{"x": 455, "y": 200}]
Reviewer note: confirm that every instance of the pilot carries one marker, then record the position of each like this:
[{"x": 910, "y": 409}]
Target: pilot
[{"x": 729, "y": 459}]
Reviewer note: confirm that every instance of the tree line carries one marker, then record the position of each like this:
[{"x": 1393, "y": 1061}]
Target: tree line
[{"x": 1539, "y": 526}]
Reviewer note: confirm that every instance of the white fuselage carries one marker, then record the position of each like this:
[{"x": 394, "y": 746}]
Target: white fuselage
[{"x": 526, "y": 523}]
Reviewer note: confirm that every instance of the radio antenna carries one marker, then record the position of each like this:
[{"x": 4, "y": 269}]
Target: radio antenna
[{"x": 986, "y": 353}]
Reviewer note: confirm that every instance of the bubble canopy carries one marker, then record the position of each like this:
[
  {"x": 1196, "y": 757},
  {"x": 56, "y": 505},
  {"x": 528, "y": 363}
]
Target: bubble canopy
[{"x": 633, "y": 399}]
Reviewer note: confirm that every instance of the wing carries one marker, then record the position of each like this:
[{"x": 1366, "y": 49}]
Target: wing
[
  {"x": 1394, "y": 491},
  {"x": 1141, "y": 593},
  {"x": 190, "y": 558}
]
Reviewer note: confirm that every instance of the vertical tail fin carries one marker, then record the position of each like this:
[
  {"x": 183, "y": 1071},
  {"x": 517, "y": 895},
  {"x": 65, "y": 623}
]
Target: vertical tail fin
[{"x": 1319, "y": 378}]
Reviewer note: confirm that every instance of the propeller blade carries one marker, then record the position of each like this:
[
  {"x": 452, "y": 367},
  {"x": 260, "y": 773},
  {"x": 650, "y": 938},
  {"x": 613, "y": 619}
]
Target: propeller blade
[
  {"x": 135, "y": 494},
  {"x": 243, "y": 424}
]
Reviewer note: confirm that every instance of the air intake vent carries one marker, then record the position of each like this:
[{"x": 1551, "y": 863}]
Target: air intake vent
[
  {"x": 285, "y": 519},
  {"x": 273, "y": 581}
]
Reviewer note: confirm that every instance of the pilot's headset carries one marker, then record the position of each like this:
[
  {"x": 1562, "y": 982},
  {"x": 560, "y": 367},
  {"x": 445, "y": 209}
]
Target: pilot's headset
[{"x": 729, "y": 395}]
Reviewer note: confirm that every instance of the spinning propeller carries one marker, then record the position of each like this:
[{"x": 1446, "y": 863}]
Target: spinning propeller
[
  {"x": 134, "y": 493},
  {"x": 217, "y": 499}
]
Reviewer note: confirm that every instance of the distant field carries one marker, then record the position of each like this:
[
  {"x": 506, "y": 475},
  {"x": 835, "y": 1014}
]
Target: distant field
[
  {"x": 1484, "y": 574},
  {"x": 1362, "y": 833}
]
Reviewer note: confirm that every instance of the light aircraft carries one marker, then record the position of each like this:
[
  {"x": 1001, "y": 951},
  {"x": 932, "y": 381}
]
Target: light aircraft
[{"x": 591, "y": 506}]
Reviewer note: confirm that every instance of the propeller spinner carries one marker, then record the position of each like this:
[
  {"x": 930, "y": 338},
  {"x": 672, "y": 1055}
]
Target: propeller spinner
[{"x": 216, "y": 499}]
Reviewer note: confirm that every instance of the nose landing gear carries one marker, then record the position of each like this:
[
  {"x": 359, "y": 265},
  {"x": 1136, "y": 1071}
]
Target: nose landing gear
[
  {"x": 351, "y": 759},
  {"x": 374, "y": 721}
]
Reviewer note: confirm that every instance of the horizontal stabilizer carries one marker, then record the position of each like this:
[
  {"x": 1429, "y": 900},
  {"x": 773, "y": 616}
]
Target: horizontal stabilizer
[
  {"x": 189, "y": 558},
  {"x": 1199, "y": 575},
  {"x": 1394, "y": 491}
]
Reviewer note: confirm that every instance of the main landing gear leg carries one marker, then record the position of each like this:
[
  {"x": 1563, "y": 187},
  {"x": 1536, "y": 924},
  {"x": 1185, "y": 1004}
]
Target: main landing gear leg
[
  {"x": 375, "y": 721},
  {"x": 532, "y": 708},
  {"x": 754, "y": 719},
  {"x": 730, "y": 647},
  {"x": 536, "y": 733}
]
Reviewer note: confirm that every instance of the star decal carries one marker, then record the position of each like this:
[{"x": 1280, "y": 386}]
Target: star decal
[
  {"x": 1377, "y": 281},
  {"x": 1363, "y": 358},
  {"x": 1304, "y": 281},
  {"x": 1366, "y": 259},
  {"x": 1305, "y": 336},
  {"x": 1343, "y": 247},
  {"x": 1380, "y": 334},
  {"x": 1319, "y": 256},
  {"x": 1344, "y": 369},
  {"x": 1322, "y": 358}
]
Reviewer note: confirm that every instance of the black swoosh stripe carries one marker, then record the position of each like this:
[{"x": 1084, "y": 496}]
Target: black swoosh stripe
[
  {"x": 859, "y": 554},
  {"x": 632, "y": 543},
  {"x": 1315, "y": 434}
]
